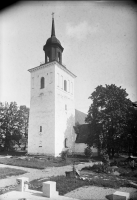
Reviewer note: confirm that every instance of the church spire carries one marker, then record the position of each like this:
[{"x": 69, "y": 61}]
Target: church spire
[
  {"x": 53, "y": 26},
  {"x": 53, "y": 49}
]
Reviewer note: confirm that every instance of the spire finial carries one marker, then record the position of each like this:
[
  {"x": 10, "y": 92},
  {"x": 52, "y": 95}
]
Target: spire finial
[{"x": 53, "y": 25}]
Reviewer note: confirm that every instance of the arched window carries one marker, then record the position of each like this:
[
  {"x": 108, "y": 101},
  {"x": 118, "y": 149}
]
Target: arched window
[
  {"x": 65, "y": 143},
  {"x": 65, "y": 85},
  {"x": 42, "y": 83}
]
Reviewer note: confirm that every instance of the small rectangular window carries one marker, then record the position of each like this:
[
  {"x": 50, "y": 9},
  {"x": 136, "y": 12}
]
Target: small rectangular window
[
  {"x": 40, "y": 128},
  {"x": 65, "y": 107},
  {"x": 40, "y": 144}
]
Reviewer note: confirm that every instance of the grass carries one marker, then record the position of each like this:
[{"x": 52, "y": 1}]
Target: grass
[
  {"x": 32, "y": 162},
  {"x": 5, "y": 172},
  {"x": 37, "y": 162},
  {"x": 65, "y": 185}
]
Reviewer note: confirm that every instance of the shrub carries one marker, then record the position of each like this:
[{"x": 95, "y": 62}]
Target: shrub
[
  {"x": 99, "y": 168},
  {"x": 88, "y": 152},
  {"x": 64, "y": 154}
]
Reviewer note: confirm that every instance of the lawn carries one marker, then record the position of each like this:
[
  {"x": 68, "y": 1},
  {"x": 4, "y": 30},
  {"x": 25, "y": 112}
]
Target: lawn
[
  {"x": 38, "y": 162},
  {"x": 5, "y": 172},
  {"x": 65, "y": 185},
  {"x": 32, "y": 162}
]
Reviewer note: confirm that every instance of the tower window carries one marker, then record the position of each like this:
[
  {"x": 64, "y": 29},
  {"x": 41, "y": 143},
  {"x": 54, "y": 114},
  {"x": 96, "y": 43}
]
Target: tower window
[
  {"x": 65, "y": 85},
  {"x": 65, "y": 107},
  {"x": 65, "y": 143},
  {"x": 42, "y": 83},
  {"x": 40, "y": 128},
  {"x": 59, "y": 57},
  {"x": 48, "y": 56}
]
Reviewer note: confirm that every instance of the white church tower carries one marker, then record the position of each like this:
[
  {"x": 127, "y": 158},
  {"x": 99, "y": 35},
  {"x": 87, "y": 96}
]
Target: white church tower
[{"x": 52, "y": 108}]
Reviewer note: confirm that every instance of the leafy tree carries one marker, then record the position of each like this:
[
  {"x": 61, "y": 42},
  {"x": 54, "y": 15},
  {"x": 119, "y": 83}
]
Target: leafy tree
[
  {"x": 107, "y": 116},
  {"x": 11, "y": 125},
  {"x": 130, "y": 141},
  {"x": 24, "y": 111}
]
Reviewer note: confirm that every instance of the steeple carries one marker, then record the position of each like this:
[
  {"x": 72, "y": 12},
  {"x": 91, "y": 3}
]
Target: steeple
[
  {"x": 53, "y": 26},
  {"x": 53, "y": 49}
]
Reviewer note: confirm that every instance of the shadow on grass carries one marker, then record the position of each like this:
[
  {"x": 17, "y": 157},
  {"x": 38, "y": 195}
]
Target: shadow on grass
[{"x": 13, "y": 153}]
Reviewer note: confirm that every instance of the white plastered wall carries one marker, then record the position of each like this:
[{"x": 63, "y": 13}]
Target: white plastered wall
[
  {"x": 80, "y": 147},
  {"x": 42, "y": 112},
  {"x": 64, "y": 111}
]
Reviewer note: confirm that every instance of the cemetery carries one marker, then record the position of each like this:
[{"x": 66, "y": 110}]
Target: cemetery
[{"x": 92, "y": 173}]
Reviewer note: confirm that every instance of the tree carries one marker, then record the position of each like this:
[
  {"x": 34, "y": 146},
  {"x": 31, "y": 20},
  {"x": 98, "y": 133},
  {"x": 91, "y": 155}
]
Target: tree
[
  {"x": 107, "y": 116},
  {"x": 25, "y": 116},
  {"x": 130, "y": 141},
  {"x": 11, "y": 125}
]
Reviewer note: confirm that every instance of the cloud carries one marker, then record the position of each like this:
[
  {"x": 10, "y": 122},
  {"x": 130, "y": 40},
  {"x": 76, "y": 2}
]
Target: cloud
[{"x": 80, "y": 31}]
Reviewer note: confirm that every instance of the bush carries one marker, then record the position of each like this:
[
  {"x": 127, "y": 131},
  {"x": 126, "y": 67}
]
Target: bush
[
  {"x": 64, "y": 154},
  {"x": 99, "y": 168},
  {"x": 88, "y": 152}
]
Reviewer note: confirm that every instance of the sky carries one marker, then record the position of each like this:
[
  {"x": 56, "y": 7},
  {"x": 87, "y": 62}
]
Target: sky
[{"x": 99, "y": 40}]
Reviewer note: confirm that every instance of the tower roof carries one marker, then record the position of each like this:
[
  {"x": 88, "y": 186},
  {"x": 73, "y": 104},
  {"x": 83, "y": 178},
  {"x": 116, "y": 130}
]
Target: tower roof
[{"x": 53, "y": 40}]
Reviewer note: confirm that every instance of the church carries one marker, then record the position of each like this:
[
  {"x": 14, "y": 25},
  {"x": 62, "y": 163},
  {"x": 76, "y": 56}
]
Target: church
[{"x": 52, "y": 104}]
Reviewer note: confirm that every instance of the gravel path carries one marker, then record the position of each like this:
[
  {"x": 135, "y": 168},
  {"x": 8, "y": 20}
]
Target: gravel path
[{"x": 38, "y": 173}]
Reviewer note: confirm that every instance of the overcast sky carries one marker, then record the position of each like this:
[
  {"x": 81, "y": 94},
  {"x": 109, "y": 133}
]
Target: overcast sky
[{"x": 99, "y": 40}]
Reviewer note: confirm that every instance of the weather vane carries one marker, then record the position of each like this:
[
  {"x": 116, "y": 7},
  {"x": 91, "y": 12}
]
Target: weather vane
[{"x": 52, "y": 15}]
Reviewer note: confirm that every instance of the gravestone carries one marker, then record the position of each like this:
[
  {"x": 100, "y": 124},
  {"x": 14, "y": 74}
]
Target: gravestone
[
  {"x": 120, "y": 195},
  {"x": 22, "y": 184}
]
